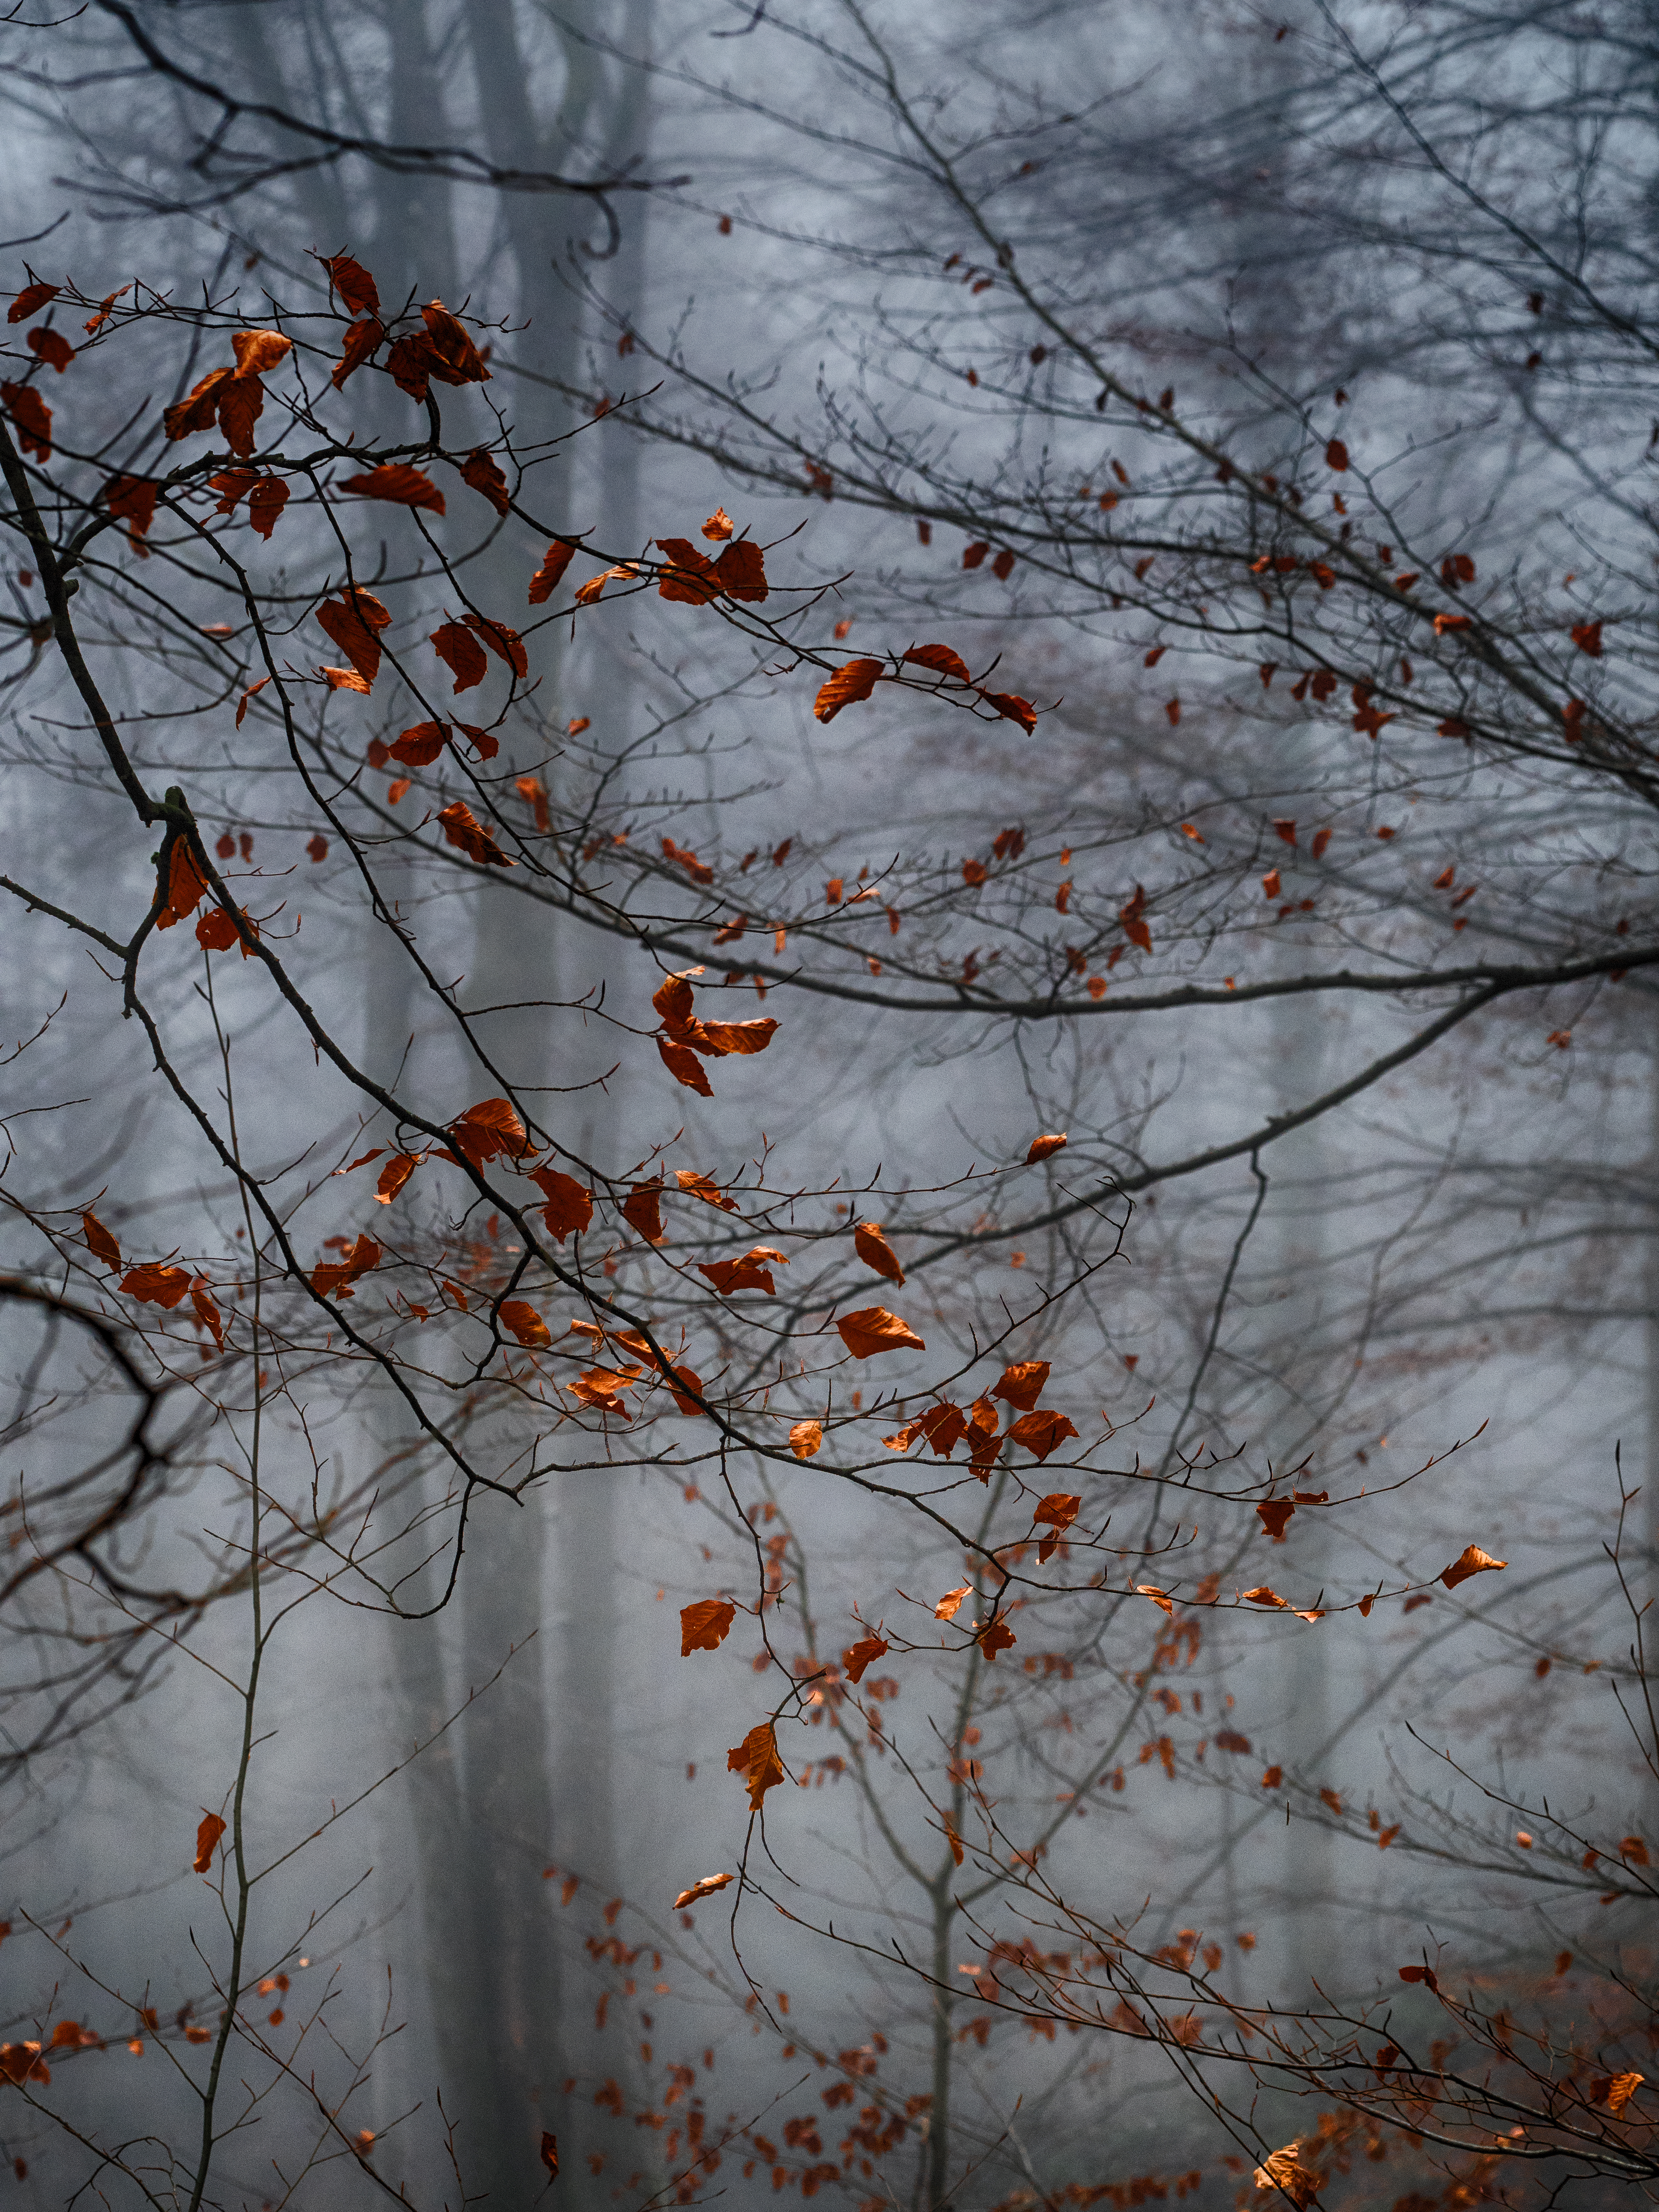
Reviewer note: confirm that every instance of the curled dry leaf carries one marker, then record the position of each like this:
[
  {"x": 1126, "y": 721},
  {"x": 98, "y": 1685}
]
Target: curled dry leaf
[
  {"x": 951, "y": 1603},
  {"x": 706, "y": 1888},
  {"x": 684, "y": 1067},
  {"x": 741, "y": 1037},
  {"x": 873, "y": 1330},
  {"x": 355, "y": 287},
  {"x": 1041, "y": 1146},
  {"x": 550, "y": 2154},
  {"x": 853, "y": 680},
  {"x": 131, "y": 499},
  {"x": 481, "y": 470},
  {"x": 334, "y": 1279},
  {"x": 156, "y": 1285},
  {"x": 569, "y": 1205},
  {"x": 749, "y": 1272},
  {"x": 398, "y": 481},
  {"x": 1159, "y": 1597},
  {"x": 207, "y": 1837},
  {"x": 695, "y": 1185},
  {"x": 865, "y": 1653},
  {"x": 32, "y": 418},
  {"x": 1275, "y": 1513},
  {"x": 186, "y": 884},
  {"x": 252, "y": 692},
  {"x": 1621, "y": 2089},
  {"x": 394, "y": 1175},
  {"x": 1471, "y": 1560},
  {"x": 488, "y": 1129},
  {"x": 353, "y": 622},
  {"x": 705, "y": 1626},
  {"x": 995, "y": 1636},
  {"x": 805, "y": 1438},
  {"x": 642, "y": 1212},
  {"x": 1283, "y": 2172},
  {"x": 756, "y": 1760},
  {"x": 462, "y": 828},
  {"x": 545, "y": 581},
  {"x": 719, "y": 527},
  {"x": 461, "y": 653},
  {"x": 98, "y": 1241},
  {"x": 872, "y": 1248},
  {"x": 940, "y": 658},
  {"x": 1058, "y": 1510},
  {"x": 1021, "y": 1385},
  {"x": 526, "y": 1324},
  {"x": 1040, "y": 1433},
  {"x": 1262, "y": 1596}
]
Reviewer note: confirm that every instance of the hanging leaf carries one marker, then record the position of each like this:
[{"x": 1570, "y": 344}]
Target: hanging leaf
[
  {"x": 394, "y": 1175},
  {"x": 691, "y": 577},
  {"x": 872, "y": 1248},
  {"x": 131, "y": 499},
  {"x": 455, "y": 359},
  {"x": 873, "y": 1330},
  {"x": 100, "y": 1242},
  {"x": 705, "y": 1626},
  {"x": 684, "y": 1067},
  {"x": 550, "y": 2154},
  {"x": 863, "y": 1654},
  {"x": 462, "y": 829},
  {"x": 400, "y": 483},
  {"x": 806, "y": 1437},
  {"x": 750, "y": 1272},
  {"x": 460, "y": 652},
  {"x": 503, "y": 641},
  {"x": 32, "y": 416},
  {"x": 1472, "y": 1560},
  {"x": 741, "y": 571},
  {"x": 207, "y": 1837},
  {"x": 1040, "y": 1434},
  {"x": 719, "y": 527},
  {"x": 705, "y": 1187},
  {"x": 1042, "y": 1146},
  {"x": 355, "y": 287},
  {"x": 756, "y": 1759},
  {"x": 353, "y": 621},
  {"x": 854, "y": 680},
  {"x": 741, "y": 1037},
  {"x": 951, "y": 1603},
  {"x": 706, "y": 1888},
  {"x": 941, "y": 658},
  {"x": 1012, "y": 708},
  {"x": 642, "y": 1211},
  {"x": 30, "y": 299},
  {"x": 420, "y": 746},
  {"x": 570, "y": 1206},
  {"x": 526, "y": 1324},
  {"x": 481, "y": 470},
  {"x": 489, "y": 1130},
  {"x": 545, "y": 581},
  {"x": 1021, "y": 1385},
  {"x": 360, "y": 343}
]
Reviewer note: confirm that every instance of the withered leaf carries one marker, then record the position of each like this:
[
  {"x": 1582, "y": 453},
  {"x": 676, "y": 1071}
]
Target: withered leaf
[
  {"x": 360, "y": 341},
  {"x": 462, "y": 828},
  {"x": 865, "y": 1653},
  {"x": 207, "y": 1837},
  {"x": 394, "y": 1175},
  {"x": 186, "y": 885},
  {"x": 852, "y": 681},
  {"x": 1283, "y": 2172},
  {"x": 1274, "y": 1513},
  {"x": 872, "y": 1248},
  {"x": 1042, "y": 1146},
  {"x": 805, "y": 1438},
  {"x": 570, "y": 1206},
  {"x": 1012, "y": 708},
  {"x": 30, "y": 298},
  {"x": 995, "y": 1636},
  {"x": 502, "y": 640},
  {"x": 684, "y": 1067},
  {"x": 526, "y": 1324},
  {"x": 545, "y": 581},
  {"x": 951, "y": 1603},
  {"x": 488, "y": 1129},
  {"x": 642, "y": 1212},
  {"x": 353, "y": 621},
  {"x": 756, "y": 1759},
  {"x": 98, "y": 1241},
  {"x": 550, "y": 2154},
  {"x": 1059, "y": 1510},
  {"x": 400, "y": 483},
  {"x": 131, "y": 499},
  {"x": 706, "y": 1888},
  {"x": 334, "y": 1279},
  {"x": 739, "y": 1036},
  {"x": 874, "y": 1329},
  {"x": 455, "y": 359},
  {"x": 719, "y": 527},
  {"x": 941, "y": 658},
  {"x": 420, "y": 746},
  {"x": 32, "y": 416},
  {"x": 1471, "y": 1560},
  {"x": 481, "y": 470},
  {"x": 705, "y": 1626},
  {"x": 690, "y": 577},
  {"x": 742, "y": 571},
  {"x": 1263, "y": 1595},
  {"x": 355, "y": 287},
  {"x": 51, "y": 347},
  {"x": 749, "y": 1272},
  {"x": 155, "y": 1285},
  {"x": 695, "y": 1185},
  {"x": 1021, "y": 1385},
  {"x": 1040, "y": 1433},
  {"x": 258, "y": 352},
  {"x": 460, "y": 652}
]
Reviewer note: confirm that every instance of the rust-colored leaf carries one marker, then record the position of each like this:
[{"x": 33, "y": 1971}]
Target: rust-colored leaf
[
  {"x": 690, "y": 577},
  {"x": 1160, "y": 1598},
  {"x": 995, "y": 1636},
  {"x": 207, "y": 1839},
  {"x": 394, "y": 1175},
  {"x": 455, "y": 359},
  {"x": 32, "y": 298},
  {"x": 706, "y": 1888},
  {"x": 241, "y": 401},
  {"x": 705, "y": 1626},
  {"x": 545, "y": 581},
  {"x": 1040, "y": 1433},
  {"x": 1263, "y": 1595},
  {"x": 409, "y": 364},
  {"x": 642, "y": 1211},
  {"x": 1471, "y": 1560},
  {"x": 686, "y": 1387},
  {"x": 51, "y": 347},
  {"x": 420, "y": 746},
  {"x": 1058, "y": 1512},
  {"x": 872, "y": 1248},
  {"x": 258, "y": 352},
  {"x": 942, "y": 659},
  {"x": 265, "y": 503},
  {"x": 697, "y": 1185},
  {"x": 738, "y": 1037},
  {"x": 865, "y": 1653},
  {"x": 550, "y": 2154},
  {"x": 805, "y": 1438},
  {"x": 481, "y": 470},
  {"x": 462, "y": 828},
  {"x": 684, "y": 1067},
  {"x": 334, "y": 1279},
  {"x": 1012, "y": 708},
  {"x": 488, "y": 1130},
  {"x": 1274, "y": 1513},
  {"x": 522, "y": 1320},
  {"x": 502, "y": 640},
  {"x": 741, "y": 571},
  {"x": 952, "y": 1602},
  {"x": 186, "y": 885},
  {"x": 131, "y": 499},
  {"x": 587, "y": 592},
  {"x": 399, "y": 483},
  {"x": 1042, "y": 1146},
  {"x": 854, "y": 680},
  {"x": 31, "y": 417},
  {"x": 207, "y": 1311},
  {"x": 756, "y": 1759},
  {"x": 461, "y": 653},
  {"x": 1284, "y": 2173},
  {"x": 360, "y": 341},
  {"x": 873, "y": 1330},
  {"x": 1021, "y": 1385},
  {"x": 100, "y": 1242},
  {"x": 570, "y": 1206},
  {"x": 750, "y": 1272},
  {"x": 719, "y": 527},
  {"x": 346, "y": 679},
  {"x": 217, "y": 931},
  {"x": 354, "y": 621},
  {"x": 198, "y": 412},
  {"x": 355, "y": 287}
]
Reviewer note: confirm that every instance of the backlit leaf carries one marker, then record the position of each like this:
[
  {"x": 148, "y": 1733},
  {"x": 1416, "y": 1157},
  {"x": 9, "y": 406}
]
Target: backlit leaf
[
  {"x": 872, "y": 1248},
  {"x": 360, "y": 341},
  {"x": 740, "y": 1036},
  {"x": 570, "y": 1206},
  {"x": 705, "y": 1626},
  {"x": 719, "y": 527},
  {"x": 462, "y": 828},
  {"x": 854, "y": 680},
  {"x": 488, "y": 1130},
  {"x": 1042, "y": 1146},
  {"x": 695, "y": 1185},
  {"x": 545, "y": 581},
  {"x": 741, "y": 571},
  {"x": 706, "y": 1888},
  {"x": 863, "y": 1654},
  {"x": 804, "y": 1439},
  {"x": 353, "y": 622},
  {"x": 756, "y": 1759},
  {"x": 750, "y": 1272},
  {"x": 941, "y": 658},
  {"x": 258, "y": 352},
  {"x": 1471, "y": 1560},
  {"x": 1274, "y": 1514},
  {"x": 1058, "y": 1512},
  {"x": 100, "y": 1242},
  {"x": 873, "y": 1330},
  {"x": 394, "y": 1175},
  {"x": 1021, "y": 1385},
  {"x": 684, "y": 1067},
  {"x": 456, "y": 360},
  {"x": 951, "y": 1603},
  {"x": 420, "y": 746},
  {"x": 1040, "y": 1433},
  {"x": 155, "y": 1285},
  {"x": 207, "y": 1837},
  {"x": 399, "y": 483}
]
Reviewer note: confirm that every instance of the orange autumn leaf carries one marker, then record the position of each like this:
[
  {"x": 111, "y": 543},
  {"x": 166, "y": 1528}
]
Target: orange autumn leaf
[
  {"x": 131, "y": 499},
  {"x": 695, "y": 1185},
  {"x": 32, "y": 416},
  {"x": 217, "y": 931},
  {"x": 265, "y": 503},
  {"x": 1059, "y": 1510},
  {"x": 705, "y": 1626},
  {"x": 361, "y": 339},
  {"x": 258, "y": 352},
  {"x": 398, "y": 481},
  {"x": 207, "y": 1311},
  {"x": 252, "y": 692},
  {"x": 719, "y": 527},
  {"x": 806, "y": 1437},
  {"x": 952, "y": 1838},
  {"x": 873, "y": 1330},
  {"x": 872, "y": 1248},
  {"x": 706, "y": 1888},
  {"x": 51, "y": 347},
  {"x": 488, "y": 1129},
  {"x": 852, "y": 681},
  {"x": 549, "y": 2153},
  {"x": 685, "y": 1385},
  {"x": 189, "y": 416},
  {"x": 642, "y": 1211},
  {"x": 207, "y": 1837},
  {"x": 1040, "y": 1433},
  {"x": 502, "y": 640},
  {"x": 1159, "y": 1597},
  {"x": 951, "y": 1603},
  {"x": 741, "y": 571},
  {"x": 672, "y": 999},
  {"x": 1263, "y": 1595},
  {"x": 940, "y": 658},
  {"x": 1283, "y": 2172},
  {"x": 462, "y": 828},
  {"x": 155, "y": 1285},
  {"x": 526, "y": 1324},
  {"x": 355, "y": 287},
  {"x": 1012, "y": 708},
  {"x": 1042, "y": 1146},
  {"x": 30, "y": 298},
  {"x": 545, "y": 581},
  {"x": 481, "y": 470},
  {"x": 334, "y": 1279},
  {"x": 1274, "y": 1514},
  {"x": 186, "y": 885},
  {"x": 570, "y": 1206},
  {"x": 741, "y": 1037},
  {"x": 691, "y": 577},
  {"x": 1621, "y": 2089},
  {"x": 865, "y": 1653},
  {"x": 461, "y": 653},
  {"x": 353, "y": 621},
  {"x": 601, "y": 1388},
  {"x": 749, "y": 1272},
  {"x": 587, "y": 592},
  {"x": 756, "y": 1759},
  {"x": 394, "y": 1175},
  {"x": 347, "y": 679},
  {"x": 1471, "y": 1560},
  {"x": 1021, "y": 1385},
  {"x": 98, "y": 1241},
  {"x": 420, "y": 745},
  {"x": 684, "y": 1067},
  {"x": 455, "y": 359},
  {"x": 995, "y": 1636}
]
